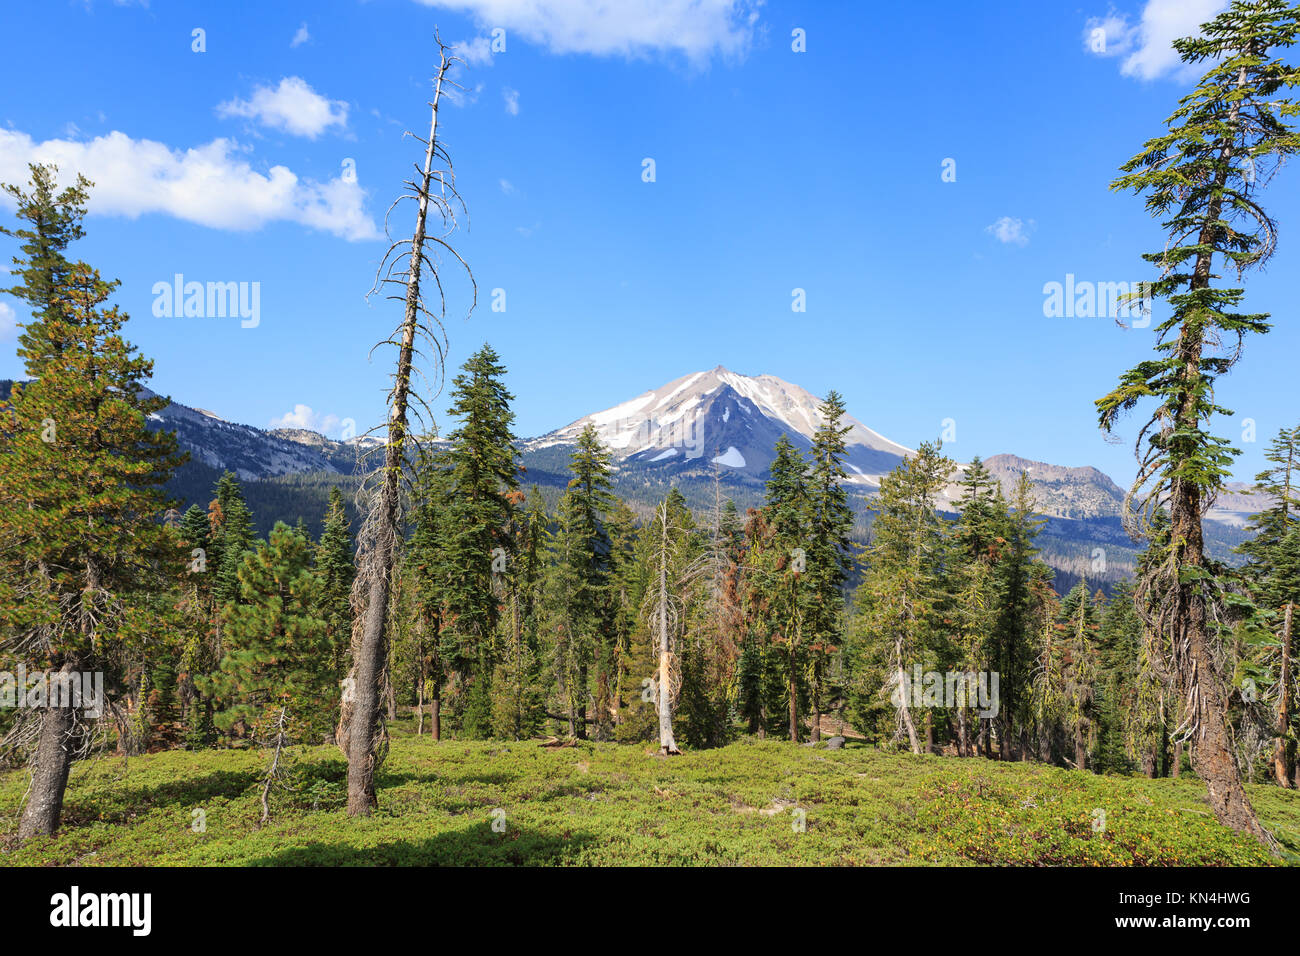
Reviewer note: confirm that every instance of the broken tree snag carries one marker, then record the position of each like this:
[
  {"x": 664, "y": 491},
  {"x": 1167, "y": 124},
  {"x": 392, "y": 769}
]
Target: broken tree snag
[{"x": 364, "y": 733}]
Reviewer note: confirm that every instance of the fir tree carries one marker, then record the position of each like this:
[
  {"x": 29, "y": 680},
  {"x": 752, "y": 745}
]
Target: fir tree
[
  {"x": 81, "y": 543},
  {"x": 1275, "y": 584},
  {"x": 578, "y": 588},
  {"x": 830, "y": 523},
  {"x": 335, "y": 568},
  {"x": 273, "y": 678},
  {"x": 1203, "y": 177},
  {"x": 484, "y": 474}
]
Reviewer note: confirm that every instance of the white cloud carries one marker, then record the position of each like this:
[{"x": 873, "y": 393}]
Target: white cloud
[
  {"x": 1011, "y": 230},
  {"x": 629, "y": 28},
  {"x": 8, "y": 323},
  {"x": 512, "y": 100},
  {"x": 293, "y": 106},
  {"x": 302, "y": 416},
  {"x": 210, "y": 184},
  {"x": 475, "y": 52},
  {"x": 1147, "y": 47},
  {"x": 301, "y": 37},
  {"x": 507, "y": 187}
]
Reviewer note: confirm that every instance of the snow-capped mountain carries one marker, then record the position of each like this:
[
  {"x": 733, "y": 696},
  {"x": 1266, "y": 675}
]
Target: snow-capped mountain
[{"x": 726, "y": 419}]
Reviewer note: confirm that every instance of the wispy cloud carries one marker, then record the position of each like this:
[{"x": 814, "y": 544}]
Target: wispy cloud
[
  {"x": 1011, "y": 230},
  {"x": 8, "y": 323},
  {"x": 301, "y": 37},
  {"x": 697, "y": 29},
  {"x": 293, "y": 106},
  {"x": 475, "y": 52},
  {"x": 512, "y": 100},
  {"x": 508, "y": 187},
  {"x": 211, "y": 185}
]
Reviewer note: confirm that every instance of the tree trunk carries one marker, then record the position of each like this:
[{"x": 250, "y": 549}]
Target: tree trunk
[
  {"x": 370, "y": 653},
  {"x": 1212, "y": 754},
  {"x": 579, "y": 726},
  {"x": 1080, "y": 748},
  {"x": 816, "y": 707},
  {"x": 1284, "y": 754},
  {"x": 275, "y": 766},
  {"x": 667, "y": 744},
  {"x": 1149, "y": 763},
  {"x": 794, "y": 697},
  {"x": 1178, "y": 759},
  {"x": 904, "y": 692},
  {"x": 963, "y": 733},
  {"x": 419, "y": 703},
  {"x": 435, "y": 708},
  {"x": 52, "y": 763}
]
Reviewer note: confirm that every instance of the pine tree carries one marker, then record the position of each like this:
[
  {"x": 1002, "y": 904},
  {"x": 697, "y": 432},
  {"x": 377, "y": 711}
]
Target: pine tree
[
  {"x": 274, "y": 678},
  {"x": 1203, "y": 176},
  {"x": 1015, "y": 628},
  {"x": 1275, "y": 583},
  {"x": 335, "y": 569},
  {"x": 899, "y": 602},
  {"x": 776, "y": 577},
  {"x": 232, "y": 537},
  {"x": 80, "y": 537},
  {"x": 578, "y": 602},
  {"x": 975, "y": 587},
  {"x": 829, "y": 526},
  {"x": 426, "y": 569},
  {"x": 484, "y": 474}
]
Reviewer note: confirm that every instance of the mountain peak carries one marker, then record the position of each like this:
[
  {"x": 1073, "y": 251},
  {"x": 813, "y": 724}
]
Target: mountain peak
[{"x": 722, "y": 417}]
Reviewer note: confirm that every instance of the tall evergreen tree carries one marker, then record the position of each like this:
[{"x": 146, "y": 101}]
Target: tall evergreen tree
[
  {"x": 578, "y": 602},
  {"x": 334, "y": 564},
  {"x": 484, "y": 473},
  {"x": 80, "y": 537},
  {"x": 901, "y": 597},
  {"x": 829, "y": 525},
  {"x": 1202, "y": 176}
]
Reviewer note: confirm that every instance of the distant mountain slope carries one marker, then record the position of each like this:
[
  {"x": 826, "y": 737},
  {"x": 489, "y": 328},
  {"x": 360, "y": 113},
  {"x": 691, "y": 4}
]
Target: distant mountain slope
[{"x": 706, "y": 433}]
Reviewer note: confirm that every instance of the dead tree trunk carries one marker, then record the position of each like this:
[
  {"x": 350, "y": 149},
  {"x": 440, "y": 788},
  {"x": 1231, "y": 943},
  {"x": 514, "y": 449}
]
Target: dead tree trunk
[
  {"x": 275, "y": 768},
  {"x": 365, "y": 733},
  {"x": 663, "y": 612}
]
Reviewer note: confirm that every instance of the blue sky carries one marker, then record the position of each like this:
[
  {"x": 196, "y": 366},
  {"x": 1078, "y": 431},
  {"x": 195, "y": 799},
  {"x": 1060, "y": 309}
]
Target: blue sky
[{"x": 774, "y": 170}]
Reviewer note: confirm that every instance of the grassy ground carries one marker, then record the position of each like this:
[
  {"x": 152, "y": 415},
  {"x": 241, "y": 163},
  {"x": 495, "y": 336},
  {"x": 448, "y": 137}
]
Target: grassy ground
[{"x": 750, "y": 803}]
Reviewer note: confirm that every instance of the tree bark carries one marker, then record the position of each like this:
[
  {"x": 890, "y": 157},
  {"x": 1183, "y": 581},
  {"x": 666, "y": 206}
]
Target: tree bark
[
  {"x": 435, "y": 708},
  {"x": 794, "y": 697},
  {"x": 1284, "y": 754},
  {"x": 53, "y": 761}
]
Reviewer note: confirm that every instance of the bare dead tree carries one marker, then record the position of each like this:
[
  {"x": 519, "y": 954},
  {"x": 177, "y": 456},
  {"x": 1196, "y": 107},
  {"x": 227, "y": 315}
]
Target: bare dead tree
[
  {"x": 664, "y": 609},
  {"x": 362, "y": 730}
]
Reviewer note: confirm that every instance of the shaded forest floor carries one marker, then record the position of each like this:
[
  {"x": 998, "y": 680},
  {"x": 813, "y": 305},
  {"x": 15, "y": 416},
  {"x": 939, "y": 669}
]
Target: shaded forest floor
[{"x": 751, "y": 803}]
